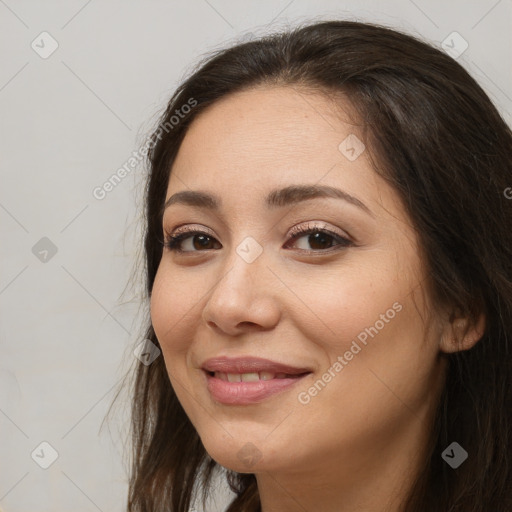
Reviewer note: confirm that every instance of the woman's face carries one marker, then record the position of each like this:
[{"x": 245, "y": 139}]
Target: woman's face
[{"x": 340, "y": 303}]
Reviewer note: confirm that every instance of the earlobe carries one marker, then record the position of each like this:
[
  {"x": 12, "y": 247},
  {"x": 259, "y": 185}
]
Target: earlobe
[{"x": 459, "y": 334}]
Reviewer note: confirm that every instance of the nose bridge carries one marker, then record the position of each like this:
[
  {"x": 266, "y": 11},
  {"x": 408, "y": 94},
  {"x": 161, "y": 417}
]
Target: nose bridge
[
  {"x": 240, "y": 295},
  {"x": 244, "y": 267}
]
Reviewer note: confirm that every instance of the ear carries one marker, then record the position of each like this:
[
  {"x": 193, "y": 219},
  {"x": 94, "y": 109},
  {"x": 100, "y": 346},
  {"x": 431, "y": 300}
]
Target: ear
[{"x": 459, "y": 333}]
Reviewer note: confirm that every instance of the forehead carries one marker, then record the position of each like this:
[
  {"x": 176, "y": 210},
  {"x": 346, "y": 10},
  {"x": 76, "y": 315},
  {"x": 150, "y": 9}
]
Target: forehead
[{"x": 268, "y": 132}]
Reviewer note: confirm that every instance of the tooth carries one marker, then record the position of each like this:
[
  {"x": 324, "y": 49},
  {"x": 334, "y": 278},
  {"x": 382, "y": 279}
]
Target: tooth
[{"x": 250, "y": 377}]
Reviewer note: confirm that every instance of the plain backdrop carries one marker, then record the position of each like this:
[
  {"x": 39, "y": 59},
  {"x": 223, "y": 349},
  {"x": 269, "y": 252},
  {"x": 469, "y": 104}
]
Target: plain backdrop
[{"x": 81, "y": 85}]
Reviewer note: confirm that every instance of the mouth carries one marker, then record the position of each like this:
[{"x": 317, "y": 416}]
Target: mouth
[
  {"x": 248, "y": 380},
  {"x": 253, "y": 376}
]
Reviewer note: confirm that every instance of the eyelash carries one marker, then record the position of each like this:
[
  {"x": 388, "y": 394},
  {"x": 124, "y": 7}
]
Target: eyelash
[{"x": 173, "y": 242}]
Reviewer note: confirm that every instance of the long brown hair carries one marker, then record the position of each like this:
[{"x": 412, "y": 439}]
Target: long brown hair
[{"x": 443, "y": 146}]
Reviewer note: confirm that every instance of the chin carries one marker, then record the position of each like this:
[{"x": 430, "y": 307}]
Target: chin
[
  {"x": 237, "y": 453},
  {"x": 249, "y": 454},
  {"x": 247, "y": 459}
]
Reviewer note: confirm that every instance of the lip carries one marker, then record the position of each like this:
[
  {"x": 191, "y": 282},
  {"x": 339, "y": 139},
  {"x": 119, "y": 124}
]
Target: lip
[
  {"x": 245, "y": 393},
  {"x": 249, "y": 364}
]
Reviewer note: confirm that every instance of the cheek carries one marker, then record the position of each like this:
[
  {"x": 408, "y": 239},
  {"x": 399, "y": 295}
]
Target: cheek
[
  {"x": 174, "y": 302},
  {"x": 340, "y": 306},
  {"x": 374, "y": 320},
  {"x": 174, "y": 310},
  {"x": 378, "y": 360}
]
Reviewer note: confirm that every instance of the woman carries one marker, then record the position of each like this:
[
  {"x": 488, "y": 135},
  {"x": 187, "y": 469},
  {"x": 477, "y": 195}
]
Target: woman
[{"x": 329, "y": 263}]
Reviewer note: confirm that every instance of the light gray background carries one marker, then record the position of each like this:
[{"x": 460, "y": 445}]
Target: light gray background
[{"x": 67, "y": 331}]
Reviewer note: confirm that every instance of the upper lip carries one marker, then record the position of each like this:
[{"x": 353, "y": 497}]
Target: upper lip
[{"x": 249, "y": 365}]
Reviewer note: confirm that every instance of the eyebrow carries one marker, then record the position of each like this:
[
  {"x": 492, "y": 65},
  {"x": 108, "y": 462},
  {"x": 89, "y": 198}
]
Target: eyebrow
[{"x": 277, "y": 198}]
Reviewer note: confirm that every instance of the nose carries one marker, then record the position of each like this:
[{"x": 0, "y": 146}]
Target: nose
[{"x": 243, "y": 298}]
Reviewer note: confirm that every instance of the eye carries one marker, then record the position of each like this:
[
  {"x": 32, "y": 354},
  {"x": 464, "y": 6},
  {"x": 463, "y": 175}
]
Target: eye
[
  {"x": 319, "y": 239},
  {"x": 198, "y": 240}
]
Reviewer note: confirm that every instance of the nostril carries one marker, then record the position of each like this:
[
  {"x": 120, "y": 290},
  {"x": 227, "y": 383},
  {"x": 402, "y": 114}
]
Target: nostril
[{"x": 247, "y": 324}]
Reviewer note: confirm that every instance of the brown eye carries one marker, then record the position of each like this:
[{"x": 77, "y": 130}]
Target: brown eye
[
  {"x": 318, "y": 240},
  {"x": 200, "y": 242},
  {"x": 192, "y": 241}
]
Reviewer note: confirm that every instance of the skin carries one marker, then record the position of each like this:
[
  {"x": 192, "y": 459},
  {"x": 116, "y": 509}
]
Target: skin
[{"x": 359, "y": 442}]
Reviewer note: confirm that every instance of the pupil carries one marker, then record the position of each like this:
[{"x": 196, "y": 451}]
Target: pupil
[
  {"x": 320, "y": 238},
  {"x": 203, "y": 243}
]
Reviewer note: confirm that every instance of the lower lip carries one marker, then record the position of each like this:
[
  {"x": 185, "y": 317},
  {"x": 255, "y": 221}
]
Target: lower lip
[{"x": 243, "y": 393}]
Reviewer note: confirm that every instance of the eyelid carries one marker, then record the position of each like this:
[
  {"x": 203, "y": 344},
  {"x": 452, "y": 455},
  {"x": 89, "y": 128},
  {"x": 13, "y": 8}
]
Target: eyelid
[
  {"x": 175, "y": 237},
  {"x": 186, "y": 228},
  {"x": 300, "y": 229}
]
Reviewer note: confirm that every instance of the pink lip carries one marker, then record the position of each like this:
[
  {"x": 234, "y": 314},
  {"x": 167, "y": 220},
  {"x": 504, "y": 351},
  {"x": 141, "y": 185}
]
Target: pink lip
[
  {"x": 244, "y": 393},
  {"x": 248, "y": 365}
]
